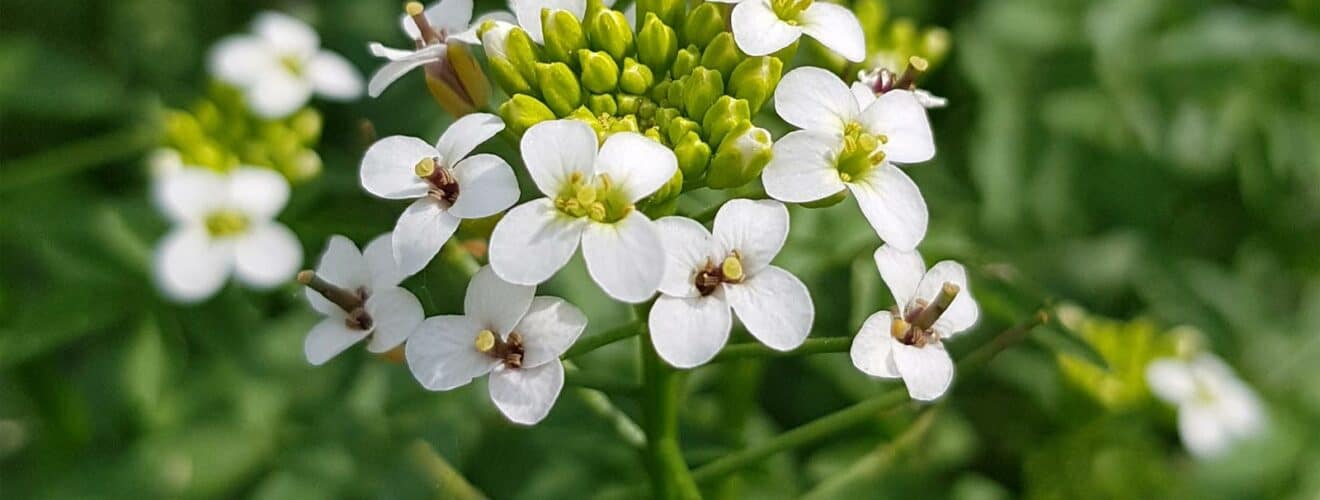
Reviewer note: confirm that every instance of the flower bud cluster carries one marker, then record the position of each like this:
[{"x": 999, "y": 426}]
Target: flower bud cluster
[{"x": 220, "y": 133}]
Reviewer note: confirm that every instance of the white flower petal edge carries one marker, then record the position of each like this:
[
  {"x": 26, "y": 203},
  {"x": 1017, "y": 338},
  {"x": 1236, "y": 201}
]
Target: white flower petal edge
[
  {"x": 329, "y": 338},
  {"x": 688, "y": 332},
  {"x": 267, "y": 256},
  {"x": 775, "y": 307},
  {"x": 758, "y": 31},
  {"x": 494, "y": 303},
  {"x": 927, "y": 371},
  {"x": 893, "y": 205},
  {"x": 1216, "y": 409},
  {"x": 526, "y": 395},
  {"x": 899, "y": 116},
  {"x": 556, "y": 150},
  {"x": 812, "y": 98},
  {"x": 528, "y": 13},
  {"x": 441, "y": 355},
  {"x": 637, "y": 164},
  {"x": 688, "y": 247},
  {"x": 756, "y": 229},
  {"x": 625, "y": 258},
  {"x": 189, "y": 267},
  {"x": 837, "y": 28},
  {"x": 802, "y": 169},
  {"x": 901, "y": 272},
  {"x": 872, "y": 349},
  {"x": 396, "y": 313},
  {"x": 422, "y": 229},
  {"x": 533, "y": 242}
]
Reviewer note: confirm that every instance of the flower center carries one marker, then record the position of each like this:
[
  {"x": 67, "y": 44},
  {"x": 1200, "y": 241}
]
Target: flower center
[
  {"x": 914, "y": 327},
  {"x": 226, "y": 223},
  {"x": 444, "y": 186},
  {"x": 789, "y": 10},
  {"x": 352, "y": 302},
  {"x": 712, "y": 276},
  {"x": 600, "y": 199},
  {"x": 861, "y": 152},
  {"x": 510, "y": 351},
  {"x": 292, "y": 63}
]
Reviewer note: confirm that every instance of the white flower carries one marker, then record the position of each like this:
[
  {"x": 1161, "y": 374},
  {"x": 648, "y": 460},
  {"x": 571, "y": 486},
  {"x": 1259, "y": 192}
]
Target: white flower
[
  {"x": 843, "y": 145},
  {"x": 1215, "y": 408},
  {"x": 447, "y": 186},
  {"x": 223, "y": 224},
  {"x": 762, "y": 27},
  {"x": 589, "y": 198},
  {"x": 281, "y": 64},
  {"x": 911, "y": 346},
  {"x": 359, "y": 294},
  {"x": 878, "y": 81},
  {"x": 506, "y": 332},
  {"x": 445, "y": 20},
  {"x": 706, "y": 275}
]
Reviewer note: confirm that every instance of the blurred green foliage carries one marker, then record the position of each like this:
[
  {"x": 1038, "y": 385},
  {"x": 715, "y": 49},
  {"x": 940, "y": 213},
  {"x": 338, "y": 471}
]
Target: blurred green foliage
[{"x": 1139, "y": 158}]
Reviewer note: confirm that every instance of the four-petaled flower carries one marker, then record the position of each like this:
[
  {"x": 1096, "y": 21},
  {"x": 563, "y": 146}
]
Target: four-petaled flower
[
  {"x": 1215, "y": 408},
  {"x": 843, "y": 146},
  {"x": 359, "y": 294},
  {"x": 223, "y": 224},
  {"x": 707, "y": 274},
  {"x": 932, "y": 306},
  {"x": 281, "y": 64},
  {"x": 506, "y": 332},
  {"x": 761, "y": 27},
  {"x": 431, "y": 29},
  {"x": 590, "y": 199}
]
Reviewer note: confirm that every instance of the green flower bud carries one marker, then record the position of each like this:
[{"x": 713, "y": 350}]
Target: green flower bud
[
  {"x": 307, "y": 125},
  {"x": 646, "y": 110},
  {"x": 679, "y": 127},
  {"x": 693, "y": 156},
  {"x": 685, "y": 61},
  {"x": 611, "y": 34},
  {"x": 675, "y": 95},
  {"x": 628, "y": 104},
  {"x": 653, "y": 134},
  {"x": 740, "y": 158},
  {"x": 636, "y": 78},
  {"x": 657, "y": 44},
  {"x": 624, "y": 124},
  {"x": 665, "y": 200},
  {"x": 660, "y": 92},
  {"x": 722, "y": 54},
  {"x": 600, "y": 73},
  {"x": 669, "y": 12},
  {"x": 522, "y": 53},
  {"x": 563, "y": 35},
  {"x": 703, "y": 87},
  {"x": 755, "y": 80},
  {"x": 703, "y": 24},
  {"x": 602, "y": 104},
  {"x": 665, "y": 115},
  {"x": 723, "y": 116},
  {"x": 182, "y": 129},
  {"x": 508, "y": 77},
  {"x": 559, "y": 87},
  {"x": 522, "y": 111}
]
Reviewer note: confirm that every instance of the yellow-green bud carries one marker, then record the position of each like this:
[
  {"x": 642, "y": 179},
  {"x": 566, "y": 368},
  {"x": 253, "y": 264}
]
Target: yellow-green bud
[
  {"x": 628, "y": 104},
  {"x": 665, "y": 115},
  {"x": 182, "y": 129},
  {"x": 703, "y": 87},
  {"x": 755, "y": 80},
  {"x": 703, "y": 24},
  {"x": 610, "y": 33},
  {"x": 602, "y": 104},
  {"x": 563, "y": 35},
  {"x": 636, "y": 78},
  {"x": 740, "y": 158},
  {"x": 522, "y": 111},
  {"x": 307, "y": 125},
  {"x": 657, "y": 44},
  {"x": 660, "y": 92},
  {"x": 693, "y": 155},
  {"x": 559, "y": 87},
  {"x": 508, "y": 77},
  {"x": 679, "y": 127},
  {"x": 685, "y": 61},
  {"x": 624, "y": 124},
  {"x": 660, "y": 198},
  {"x": 722, "y": 54},
  {"x": 935, "y": 44},
  {"x": 723, "y": 116},
  {"x": 523, "y": 53},
  {"x": 675, "y": 95},
  {"x": 669, "y": 12},
  {"x": 600, "y": 73},
  {"x": 653, "y": 134},
  {"x": 646, "y": 109}
]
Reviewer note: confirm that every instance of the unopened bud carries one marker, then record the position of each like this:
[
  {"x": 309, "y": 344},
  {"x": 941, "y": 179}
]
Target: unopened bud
[
  {"x": 508, "y": 77},
  {"x": 740, "y": 157},
  {"x": 522, "y": 52},
  {"x": 559, "y": 87},
  {"x": 657, "y": 44},
  {"x": 636, "y": 78},
  {"x": 693, "y": 156},
  {"x": 563, "y": 35},
  {"x": 722, "y": 116},
  {"x": 685, "y": 61},
  {"x": 602, "y": 104},
  {"x": 600, "y": 74},
  {"x": 522, "y": 111},
  {"x": 627, "y": 104},
  {"x": 611, "y": 34},
  {"x": 755, "y": 79},
  {"x": 722, "y": 54},
  {"x": 664, "y": 200},
  {"x": 703, "y": 87},
  {"x": 679, "y": 127},
  {"x": 703, "y": 23},
  {"x": 669, "y": 12}
]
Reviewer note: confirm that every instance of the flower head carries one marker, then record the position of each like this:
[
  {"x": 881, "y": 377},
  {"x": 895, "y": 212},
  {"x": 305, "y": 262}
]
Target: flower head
[
  {"x": 763, "y": 27},
  {"x": 1215, "y": 408},
  {"x": 590, "y": 198},
  {"x": 933, "y": 305},
  {"x": 843, "y": 145},
  {"x": 281, "y": 64},
  {"x": 441, "y": 34},
  {"x": 223, "y": 224},
  {"x": 447, "y": 184},
  {"x": 359, "y": 294},
  {"x": 506, "y": 332},
  {"x": 708, "y": 274}
]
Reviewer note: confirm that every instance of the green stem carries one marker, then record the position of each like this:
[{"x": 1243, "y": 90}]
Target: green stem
[
  {"x": 449, "y": 483},
  {"x": 583, "y": 346},
  {"x": 875, "y": 463},
  {"x": 69, "y": 159},
  {"x": 661, "y": 391},
  {"x": 758, "y": 350},
  {"x": 600, "y": 404}
]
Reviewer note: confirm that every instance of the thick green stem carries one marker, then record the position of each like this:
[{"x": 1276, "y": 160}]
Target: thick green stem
[
  {"x": 759, "y": 350},
  {"x": 586, "y": 345},
  {"x": 661, "y": 390}
]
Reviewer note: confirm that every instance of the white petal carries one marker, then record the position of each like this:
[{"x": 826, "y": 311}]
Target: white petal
[
  {"x": 190, "y": 194},
  {"x": 549, "y": 328},
  {"x": 835, "y": 27},
  {"x": 636, "y": 164},
  {"x": 422, "y": 229},
  {"x": 277, "y": 94},
  {"x": 927, "y": 371},
  {"x": 382, "y": 270},
  {"x": 529, "y": 13},
  {"x": 688, "y": 249},
  {"x": 469, "y": 35},
  {"x": 396, "y": 68},
  {"x": 442, "y": 353},
  {"x": 873, "y": 348},
  {"x": 1240, "y": 410},
  {"x": 389, "y": 167},
  {"x": 267, "y": 256},
  {"x": 625, "y": 258},
  {"x": 533, "y": 241},
  {"x": 811, "y": 98},
  {"x": 189, "y": 266},
  {"x": 329, "y": 338},
  {"x": 774, "y": 306},
  {"x": 395, "y": 314},
  {"x": 525, "y": 395},
  {"x": 899, "y": 116},
  {"x": 1201, "y": 431},
  {"x": 929, "y": 100},
  {"x": 963, "y": 312},
  {"x": 496, "y": 304},
  {"x": 893, "y": 205},
  {"x": 802, "y": 168},
  {"x": 380, "y": 50},
  {"x": 465, "y": 134},
  {"x": 863, "y": 93},
  {"x": 554, "y": 150},
  {"x": 487, "y": 186},
  {"x": 260, "y": 193},
  {"x": 758, "y": 31},
  {"x": 240, "y": 59},
  {"x": 342, "y": 265},
  {"x": 688, "y": 332},
  {"x": 1170, "y": 379},
  {"x": 755, "y": 229},
  {"x": 901, "y": 271},
  {"x": 333, "y": 77},
  {"x": 286, "y": 33}
]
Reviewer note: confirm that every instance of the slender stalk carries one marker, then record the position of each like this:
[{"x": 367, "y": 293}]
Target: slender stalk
[
  {"x": 758, "y": 350},
  {"x": 449, "y": 483},
  {"x": 70, "y": 159},
  {"x": 661, "y": 391},
  {"x": 876, "y": 462},
  {"x": 600, "y": 404},
  {"x": 583, "y": 346}
]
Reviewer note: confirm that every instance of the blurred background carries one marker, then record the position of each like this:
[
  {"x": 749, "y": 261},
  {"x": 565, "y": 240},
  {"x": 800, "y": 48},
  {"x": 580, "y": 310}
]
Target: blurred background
[{"x": 1146, "y": 170}]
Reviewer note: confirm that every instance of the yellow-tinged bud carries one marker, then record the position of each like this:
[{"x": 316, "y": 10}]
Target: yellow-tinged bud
[
  {"x": 704, "y": 23},
  {"x": 600, "y": 74},
  {"x": 657, "y": 44},
  {"x": 685, "y": 61},
  {"x": 610, "y": 33},
  {"x": 636, "y": 78},
  {"x": 703, "y": 87},
  {"x": 722, "y": 54},
  {"x": 755, "y": 80},
  {"x": 563, "y": 35},
  {"x": 522, "y": 111},
  {"x": 485, "y": 341},
  {"x": 559, "y": 87}
]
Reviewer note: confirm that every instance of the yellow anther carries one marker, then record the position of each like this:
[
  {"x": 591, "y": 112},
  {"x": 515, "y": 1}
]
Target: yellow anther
[
  {"x": 919, "y": 63},
  {"x": 225, "y": 223},
  {"x": 732, "y": 268},
  {"x": 597, "y": 211},
  {"x": 868, "y": 142},
  {"x": 586, "y": 195},
  {"x": 604, "y": 181},
  {"x": 899, "y": 328},
  {"x": 877, "y": 157},
  {"x": 843, "y": 176},
  {"x": 485, "y": 341},
  {"x": 425, "y": 168},
  {"x": 884, "y": 139},
  {"x": 414, "y": 8},
  {"x": 575, "y": 177}
]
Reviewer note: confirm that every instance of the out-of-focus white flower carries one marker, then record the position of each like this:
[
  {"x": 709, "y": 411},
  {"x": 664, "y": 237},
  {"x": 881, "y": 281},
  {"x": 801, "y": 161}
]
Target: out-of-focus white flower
[
  {"x": 431, "y": 29},
  {"x": 844, "y": 146},
  {"x": 280, "y": 65},
  {"x": 506, "y": 332},
  {"x": 448, "y": 185},
  {"x": 933, "y": 305},
  {"x": 762, "y": 27},
  {"x": 223, "y": 224},
  {"x": 163, "y": 162},
  {"x": 589, "y": 199},
  {"x": 1215, "y": 408},
  {"x": 359, "y": 294},
  {"x": 706, "y": 275}
]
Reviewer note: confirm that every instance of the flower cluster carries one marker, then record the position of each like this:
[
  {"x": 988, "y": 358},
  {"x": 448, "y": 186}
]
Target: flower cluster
[{"x": 1216, "y": 409}]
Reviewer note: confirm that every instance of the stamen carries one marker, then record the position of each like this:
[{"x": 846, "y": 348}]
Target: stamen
[
  {"x": 843, "y": 176},
  {"x": 485, "y": 341},
  {"x": 916, "y": 67},
  {"x": 425, "y": 168},
  {"x": 597, "y": 211},
  {"x": 417, "y": 12},
  {"x": 899, "y": 328},
  {"x": 732, "y": 268}
]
